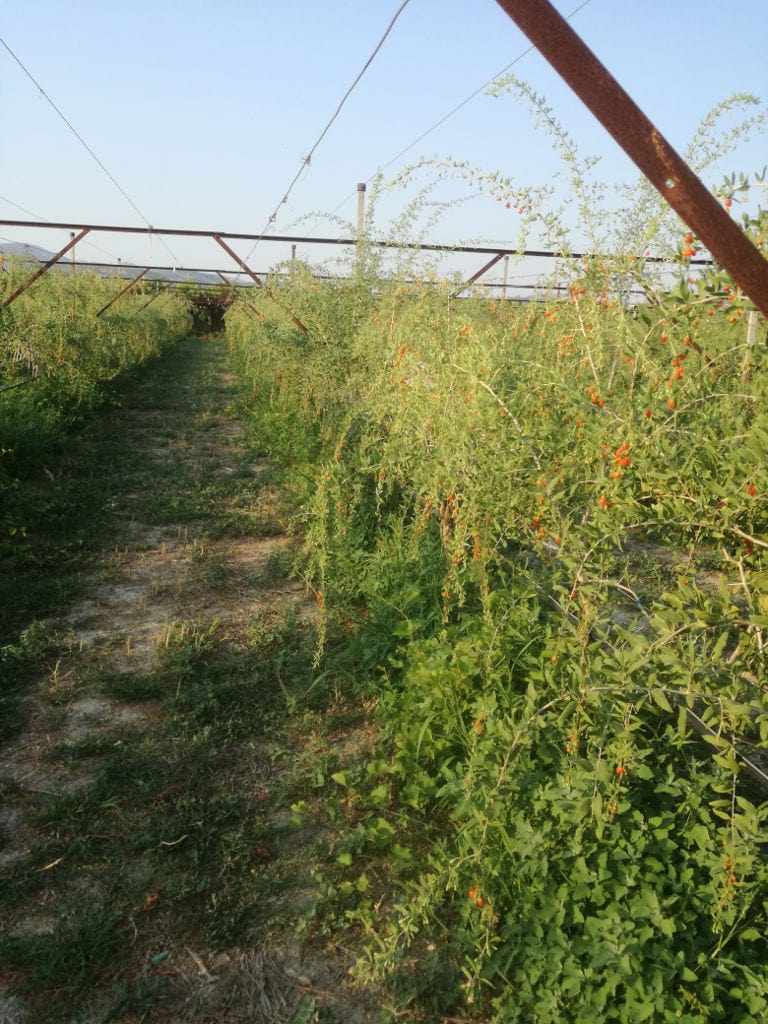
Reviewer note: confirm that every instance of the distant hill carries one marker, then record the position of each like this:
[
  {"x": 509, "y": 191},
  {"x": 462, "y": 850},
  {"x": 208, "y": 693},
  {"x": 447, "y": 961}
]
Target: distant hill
[
  {"x": 22, "y": 249},
  {"x": 39, "y": 255}
]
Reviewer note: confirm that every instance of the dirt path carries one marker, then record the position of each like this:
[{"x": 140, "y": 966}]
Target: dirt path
[{"x": 150, "y": 863}]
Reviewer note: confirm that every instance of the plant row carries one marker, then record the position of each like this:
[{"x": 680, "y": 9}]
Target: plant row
[
  {"x": 58, "y": 355},
  {"x": 536, "y": 533}
]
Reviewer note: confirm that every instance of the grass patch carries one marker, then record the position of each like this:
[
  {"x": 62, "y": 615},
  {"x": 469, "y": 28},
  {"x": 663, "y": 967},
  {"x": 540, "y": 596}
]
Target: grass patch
[
  {"x": 175, "y": 821},
  {"x": 131, "y": 686},
  {"x": 166, "y": 825},
  {"x": 73, "y": 956},
  {"x": 87, "y": 488}
]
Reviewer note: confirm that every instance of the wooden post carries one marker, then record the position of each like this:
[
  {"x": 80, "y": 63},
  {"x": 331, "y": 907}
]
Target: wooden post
[
  {"x": 506, "y": 273},
  {"x": 72, "y": 252}
]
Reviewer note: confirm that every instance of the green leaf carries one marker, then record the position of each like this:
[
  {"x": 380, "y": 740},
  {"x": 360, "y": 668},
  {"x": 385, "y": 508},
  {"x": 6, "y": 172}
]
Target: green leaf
[
  {"x": 700, "y": 836},
  {"x": 660, "y": 698},
  {"x": 682, "y": 721},
  {"x": 717, "y": 650},
  {"x": 380, "y": 795},
  {"x": 597, "y": 805}
]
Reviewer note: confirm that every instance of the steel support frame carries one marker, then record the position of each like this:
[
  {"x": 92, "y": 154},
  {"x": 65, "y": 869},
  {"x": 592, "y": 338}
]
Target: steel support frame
[
  {"x": 486, "y": 266},
  {"x": 255, "y": 277},
  {"x": 122, "y": 291},
  {"x": 47, "y": 266},
  {"x": 554, "y": 38},
  {"x": 481, "y": 250},
  {"x": 158, "y": 293}
]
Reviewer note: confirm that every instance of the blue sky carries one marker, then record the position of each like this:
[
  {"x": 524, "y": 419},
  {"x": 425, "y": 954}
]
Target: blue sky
[{"x": 203, "y": 112}]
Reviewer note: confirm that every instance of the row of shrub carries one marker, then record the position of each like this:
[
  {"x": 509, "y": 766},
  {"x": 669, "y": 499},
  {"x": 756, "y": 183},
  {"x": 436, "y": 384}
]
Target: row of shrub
[
  {"x": 58, "y": 356},
  {"x": 536, "y": 534}
]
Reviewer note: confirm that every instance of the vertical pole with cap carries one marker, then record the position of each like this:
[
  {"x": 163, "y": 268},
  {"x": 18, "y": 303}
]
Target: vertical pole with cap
[
  {"x": 360, "y": 210},
  {"x": 360, "y": 217}
]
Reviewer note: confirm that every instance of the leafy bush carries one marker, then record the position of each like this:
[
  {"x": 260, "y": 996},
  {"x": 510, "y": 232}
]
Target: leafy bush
[
  {"x": 57, "y": 357},
  {"x": 546, "y": 523}
]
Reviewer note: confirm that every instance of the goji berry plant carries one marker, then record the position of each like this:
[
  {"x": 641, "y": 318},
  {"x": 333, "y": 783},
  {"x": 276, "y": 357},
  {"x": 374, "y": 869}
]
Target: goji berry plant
[
  {"x": 538, "y": 532},
  {"x": 57, "y": 356}
]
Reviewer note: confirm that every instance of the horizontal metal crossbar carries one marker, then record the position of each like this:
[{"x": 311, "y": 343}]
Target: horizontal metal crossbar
[
  {"x": 85, "y": 264},
  {"x": 493, "y": 250}
]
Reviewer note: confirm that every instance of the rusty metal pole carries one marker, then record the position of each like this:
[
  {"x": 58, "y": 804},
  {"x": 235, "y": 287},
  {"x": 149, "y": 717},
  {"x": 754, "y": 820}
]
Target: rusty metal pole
[
  {"x": 123, "y": 291},
  {"x": 241, "y": 263},
  {"x": 643, "y": 143},
  {"x": 255, "y": 277},
  {"x": 479, "y": 274},
  {"x": 157, "y": 294},
  {"x": 46, "y": 266}
]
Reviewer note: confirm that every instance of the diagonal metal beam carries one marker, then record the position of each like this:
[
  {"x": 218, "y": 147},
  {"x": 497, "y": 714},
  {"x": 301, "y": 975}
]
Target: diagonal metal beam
[
  {"x": 158, "y": 293},
  {"x": 123, "y": 291},
  {"x": 46, "y": 266},
  {"x": 241, "y": 263},
  {"x": 643, "y": 143},
  {"x": 491, "y": 263},
  {"x": 255, "y": 277}
]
